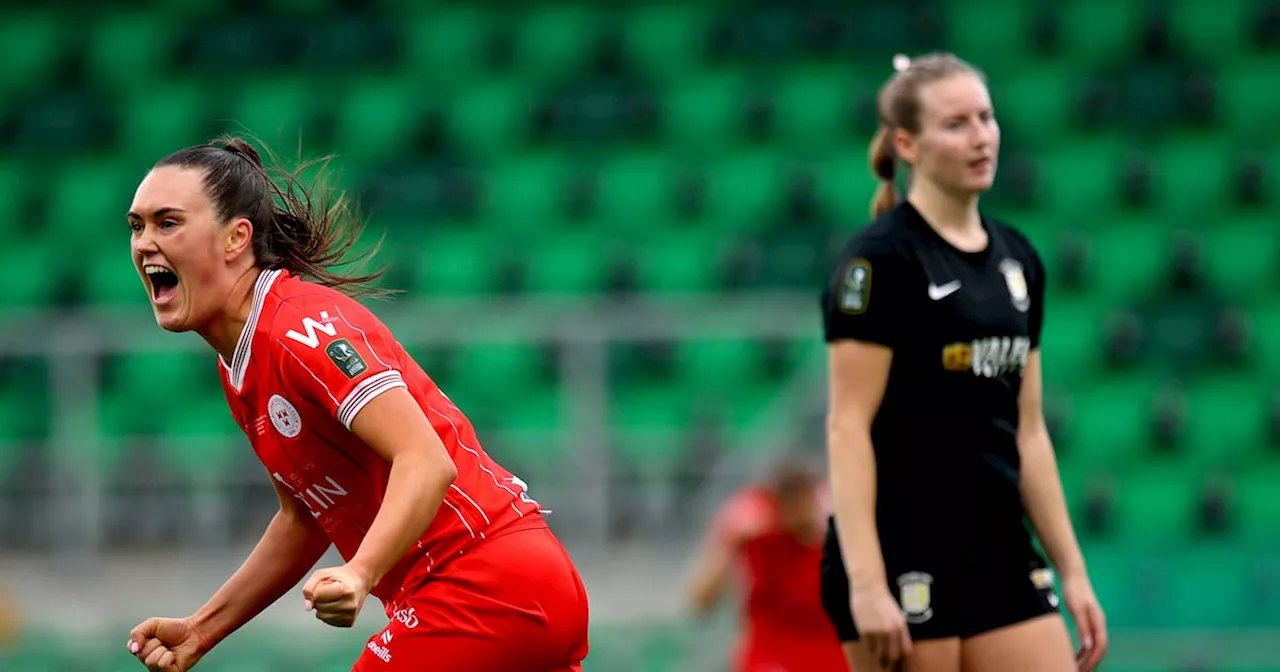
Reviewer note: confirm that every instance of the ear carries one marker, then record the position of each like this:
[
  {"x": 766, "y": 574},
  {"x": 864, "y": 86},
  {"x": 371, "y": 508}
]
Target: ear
[
  {"x": 904, "y": 144},
  {"x": 238, "y": 239}
]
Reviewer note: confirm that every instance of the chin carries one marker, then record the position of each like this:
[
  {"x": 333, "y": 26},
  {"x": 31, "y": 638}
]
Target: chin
[{"x": 171, "y": 322}]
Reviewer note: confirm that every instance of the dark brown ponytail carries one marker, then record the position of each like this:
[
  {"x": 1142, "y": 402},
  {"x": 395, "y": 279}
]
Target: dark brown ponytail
[
  {"x": 884, "y": 166},
  {"x": 307, "y": 229}
]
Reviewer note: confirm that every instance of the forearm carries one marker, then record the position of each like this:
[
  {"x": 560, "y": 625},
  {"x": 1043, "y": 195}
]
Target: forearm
[
  {"x": 1045, "y": 502},
  {"x": 853, "y": 491},
  {"x": 289, "y": 547},
  {"x": 415, "y": 491}
]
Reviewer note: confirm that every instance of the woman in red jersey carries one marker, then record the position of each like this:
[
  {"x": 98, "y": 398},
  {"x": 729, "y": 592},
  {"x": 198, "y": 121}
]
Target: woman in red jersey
[
  {"x": 364, "y": 450},
  {"x": 773, "y": 533}
]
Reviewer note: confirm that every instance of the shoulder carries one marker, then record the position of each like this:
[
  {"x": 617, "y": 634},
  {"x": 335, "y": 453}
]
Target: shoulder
[
  {"x": 746, "y": 514},
  {"x": 305, "y": 308},
  {"x": 883, "y": 237},
  {"x": 1017, "y": 240}
]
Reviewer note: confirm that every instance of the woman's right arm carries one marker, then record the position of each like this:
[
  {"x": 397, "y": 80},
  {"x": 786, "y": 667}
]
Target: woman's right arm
[
  {"x": 290, "y": 547},
  {"x": 858, "y": 374}
]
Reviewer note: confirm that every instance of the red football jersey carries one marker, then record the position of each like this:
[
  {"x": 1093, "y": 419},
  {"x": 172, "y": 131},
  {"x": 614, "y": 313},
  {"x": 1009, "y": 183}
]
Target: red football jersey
[
  {"x": 309, "y": 359},
  {"x": 785, "y": 626}
]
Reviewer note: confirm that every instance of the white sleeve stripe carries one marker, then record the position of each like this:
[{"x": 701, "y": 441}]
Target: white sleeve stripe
[
  {"x": 363, "y": 335},
  {"x": 365, "y": 392}
]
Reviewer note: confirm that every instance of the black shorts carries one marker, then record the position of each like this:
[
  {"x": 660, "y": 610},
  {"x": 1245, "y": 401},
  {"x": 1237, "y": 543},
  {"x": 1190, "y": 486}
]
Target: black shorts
[{"x": 944, "y": 597}]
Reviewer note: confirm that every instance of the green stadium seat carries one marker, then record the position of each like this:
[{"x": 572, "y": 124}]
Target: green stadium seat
[
  {"x": 112, "y": 280},
  {"x": 1071, "y": 339},
  {"x": 34, "y": 45},
  {"x": 1098, "y": 32},
  {"x": 1189, "y": 178},
  {"x": 813, "y": 107},
  {"x": 1130, "y": 259},
  {"x": 453, "y": 263},
  {"x": 1112, "y": 570},
  {"x": 376, "y": 118},
  {"x": 34, "y": 271},
  {"x": 1247, "y": 103},
  {"x": 665, "y": 41},
  {"x": 1110, "y": 420},
  {"x": 570, "y": 264},
  {"x": 651, "y": 406},
  {"x": 1242, "y": 257},
  {"x": 704, "y": 113},
  {"x": 746, "y": 414},
  {"x": 488, "y": 120},
  {"x": 847, "y": 185},
  {"x": 1080, "y": 179},
  {"x": 25, "y": 403},
  {"x": 679, "y": 261},
  {"x": 1037, "y": 96},
  {"x": 277, "y": 111},
  {"x": 129, "y": 52},
  {"x": 1214, "y": 31},
  {"x": 138, "y": 389},
  {"x": 635, "y": 193},
  {"x": 444, "y": 45},
  {"x": 745, "y": 191},
  {"x": 149, "y": 132},
  {"x": 541, "y": 411},
  {"x": 1266, "y": 333},
  {"x": 988, "y": 33},
  {"x": 555, "y": 42},
  {"x": 1227, "y": 420},
  {"x": 504, "y": 368},
  {"x": 1156, "y": 505},
  {"x": 719, "y": 364},
  {"x": 1257, "y": 504},
  {"x": 524, "y": 193}
]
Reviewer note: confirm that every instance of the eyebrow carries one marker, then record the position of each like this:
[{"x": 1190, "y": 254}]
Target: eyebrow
[{"x": 158, "y": 213}]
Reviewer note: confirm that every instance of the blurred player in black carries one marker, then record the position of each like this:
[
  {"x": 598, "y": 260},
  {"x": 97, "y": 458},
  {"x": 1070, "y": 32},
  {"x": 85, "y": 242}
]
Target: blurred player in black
[{"x": 937, "y": 442}]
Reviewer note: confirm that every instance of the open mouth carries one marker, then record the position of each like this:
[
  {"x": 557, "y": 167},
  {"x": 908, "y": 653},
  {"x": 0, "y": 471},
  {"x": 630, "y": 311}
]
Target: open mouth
[{"x": 164, "y": 282}]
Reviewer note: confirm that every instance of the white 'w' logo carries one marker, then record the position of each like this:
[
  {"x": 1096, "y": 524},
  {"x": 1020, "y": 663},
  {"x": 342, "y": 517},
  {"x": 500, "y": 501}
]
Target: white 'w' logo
[{"x": 311, "y": 326}]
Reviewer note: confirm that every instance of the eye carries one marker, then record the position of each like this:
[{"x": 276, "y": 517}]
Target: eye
[
  {"x": 135, "y": 227},
  {"x": 168, "y": 223}
]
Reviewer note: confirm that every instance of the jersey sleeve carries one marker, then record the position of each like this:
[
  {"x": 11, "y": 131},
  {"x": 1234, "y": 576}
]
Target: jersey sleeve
[
  {"x": 1035, "y": 314},
  {"x": 865, "y": 299},
  {"x": 336, "y": 356}
]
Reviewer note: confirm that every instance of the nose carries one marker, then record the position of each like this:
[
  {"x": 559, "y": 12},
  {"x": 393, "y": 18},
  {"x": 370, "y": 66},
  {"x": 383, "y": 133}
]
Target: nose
[{"x": 144, "y": 241}]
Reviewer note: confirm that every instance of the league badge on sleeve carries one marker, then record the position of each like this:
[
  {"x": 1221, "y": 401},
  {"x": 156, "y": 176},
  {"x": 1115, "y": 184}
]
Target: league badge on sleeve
[
  {"x": 1017, "y": 282},
  {"x": 855, "y": 292},
  {"x": 346, "y": 358}
]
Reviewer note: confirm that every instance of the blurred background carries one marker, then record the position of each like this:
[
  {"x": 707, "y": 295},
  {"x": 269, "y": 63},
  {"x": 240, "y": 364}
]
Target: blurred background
[{"x": 611, "y": 221}]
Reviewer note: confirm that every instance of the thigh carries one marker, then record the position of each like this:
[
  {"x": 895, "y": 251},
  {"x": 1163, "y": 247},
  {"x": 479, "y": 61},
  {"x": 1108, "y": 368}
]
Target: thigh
[
  {"x": 1041, "y": 643},
  {"x": 934, "y": 655}
]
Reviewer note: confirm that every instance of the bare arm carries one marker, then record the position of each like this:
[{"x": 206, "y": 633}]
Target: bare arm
[
  {"x": 395, "y": 427},
  {"x": 711, "y": 572},
  {"x": 1041, "y": 485},
  {"x": 859, "y": 372},
  {"x": 291, "y": 545}
]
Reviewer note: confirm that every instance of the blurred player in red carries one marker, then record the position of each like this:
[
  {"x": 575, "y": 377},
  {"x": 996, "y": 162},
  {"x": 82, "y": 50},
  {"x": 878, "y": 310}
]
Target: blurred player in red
[
  {"x": 773, "y": 533},
  {"x": 363, "y": 449}
]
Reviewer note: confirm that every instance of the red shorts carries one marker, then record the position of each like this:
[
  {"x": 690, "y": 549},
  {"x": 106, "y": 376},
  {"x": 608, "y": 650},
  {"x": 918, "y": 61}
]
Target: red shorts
[{"x": 515, "y": 603}]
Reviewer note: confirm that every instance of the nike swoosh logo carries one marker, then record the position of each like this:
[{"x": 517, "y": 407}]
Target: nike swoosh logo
[{"x": 937, "y": 292}]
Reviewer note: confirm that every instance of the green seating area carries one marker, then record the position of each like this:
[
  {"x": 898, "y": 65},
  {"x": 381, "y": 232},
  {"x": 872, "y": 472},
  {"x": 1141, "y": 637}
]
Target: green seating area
[{"x": 564, "y": 151}]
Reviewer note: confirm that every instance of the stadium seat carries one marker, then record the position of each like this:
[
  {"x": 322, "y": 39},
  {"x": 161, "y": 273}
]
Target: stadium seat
[
  {"x": 444, "y": 45},
  {"x": 555, "y": 42},
  {"x": 1156, "y": 505},
  {"x": 719, "y": 364},
  {"x": 34, "y": 46},
  {"x": 526, "y": 192},
  {"x": 988, "y": 33},
  {"x": 1246, "y": 102},
  {"x": 1130, "y": 259},
  {"x": 679, "y": 261},
  {"x": 1034, "y": 97},
  {"x": 664, "y": 42},
  {"x": 745, "y": 191},
  {"x": 1071, "y": 339},
  {"x": 704, "y": 113},
  {"x": 846, "y": 185},
  {"x": 567, "y": 263},
  {"x": 1096, "y": 32},
  {"x": 1257, "y": 504},
  {"x": 1266, "y": 333},
  {"x": 1203, "y": 587},
  {"x": 635, "y": 192},
  {"x": 1242, "y": 257},
  {"x": 489, "y": 119},
  {"x": 813, "y": 107},
  {"x": 25, "y": 399},
  {"x": 1080, "y": 180},
  {"x": 455, "y": 264},
  {"x": 139, "y": 388},
  {"x": 376, "y": 117},
  {"x": 1110, "y": 421},
  {"x": 1190, "y": 176},
  {"x": 189, "y": 116},
  {"x": 505, "y": 368},
  {"x": 1227, "y": 420},
  {"x": 1212, "y": 31},
  {"x": 277, "y": 111},
  {"x": 128, "y": 52}
]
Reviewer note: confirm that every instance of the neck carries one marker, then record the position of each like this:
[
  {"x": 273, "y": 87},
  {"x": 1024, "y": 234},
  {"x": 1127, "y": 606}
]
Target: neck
[
  {"x": 950, "y": 215},
  {"x": 223, "y": 331}
]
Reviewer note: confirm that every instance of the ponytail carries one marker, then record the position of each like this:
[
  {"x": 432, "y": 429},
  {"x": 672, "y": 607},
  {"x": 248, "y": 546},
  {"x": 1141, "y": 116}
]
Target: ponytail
[
  {"x": 884, "y": 167},
  {"x": 306, "y": 229}
]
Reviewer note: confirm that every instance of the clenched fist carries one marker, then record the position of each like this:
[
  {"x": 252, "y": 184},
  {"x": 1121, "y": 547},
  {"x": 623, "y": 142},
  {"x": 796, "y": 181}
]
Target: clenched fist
[
  {"x": 167, "y": 644},
  {"x": 337, "y": 595}
]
